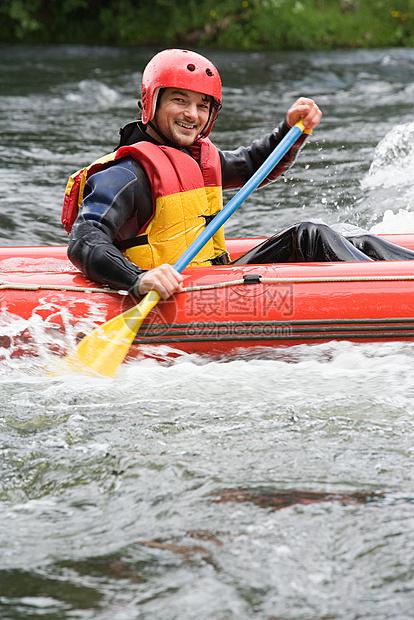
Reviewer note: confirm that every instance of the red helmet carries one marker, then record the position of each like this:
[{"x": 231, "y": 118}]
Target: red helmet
[{"x": 175, "y": 68}]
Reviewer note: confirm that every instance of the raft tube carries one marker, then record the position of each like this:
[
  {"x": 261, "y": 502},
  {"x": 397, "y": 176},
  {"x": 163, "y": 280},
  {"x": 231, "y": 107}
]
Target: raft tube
[{"x": 223, "y": 309}]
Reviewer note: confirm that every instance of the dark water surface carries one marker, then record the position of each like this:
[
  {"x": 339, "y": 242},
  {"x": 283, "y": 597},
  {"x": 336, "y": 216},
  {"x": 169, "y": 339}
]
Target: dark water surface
[{"x": 278, "y": 485}]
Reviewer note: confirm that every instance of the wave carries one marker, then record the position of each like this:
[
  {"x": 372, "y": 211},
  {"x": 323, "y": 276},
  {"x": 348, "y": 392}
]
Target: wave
[{"x": 393, "y": 163}]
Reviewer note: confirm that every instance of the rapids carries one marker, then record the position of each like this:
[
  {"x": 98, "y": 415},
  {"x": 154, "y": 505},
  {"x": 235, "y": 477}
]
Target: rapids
[{"x": 272, "y": 485}]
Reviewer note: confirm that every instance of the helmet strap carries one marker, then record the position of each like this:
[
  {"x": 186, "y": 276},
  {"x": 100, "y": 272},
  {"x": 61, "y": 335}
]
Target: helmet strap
[{"x": 159, "y": 133}]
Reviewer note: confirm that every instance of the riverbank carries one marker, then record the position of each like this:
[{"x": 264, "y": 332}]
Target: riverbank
[{"x": 226, "y": 24}]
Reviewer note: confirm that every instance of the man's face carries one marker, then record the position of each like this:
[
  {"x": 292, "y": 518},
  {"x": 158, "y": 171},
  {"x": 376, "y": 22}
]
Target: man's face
[{"x": 181, "y": 115}]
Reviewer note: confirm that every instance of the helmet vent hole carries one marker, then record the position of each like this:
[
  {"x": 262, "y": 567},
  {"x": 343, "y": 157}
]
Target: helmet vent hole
[
  {"x": 191, "y": 67},
  {"x": 209, "y": 72}
]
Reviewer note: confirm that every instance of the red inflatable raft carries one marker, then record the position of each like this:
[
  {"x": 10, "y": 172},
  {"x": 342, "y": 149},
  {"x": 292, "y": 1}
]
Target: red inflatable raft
[{"x": 222, "y": 310}]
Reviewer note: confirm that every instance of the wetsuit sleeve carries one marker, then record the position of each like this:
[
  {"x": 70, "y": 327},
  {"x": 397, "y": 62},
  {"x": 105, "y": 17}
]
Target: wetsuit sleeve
[
  {"x": 116, "y": 201},
  {"x": 239, "y": 165}
]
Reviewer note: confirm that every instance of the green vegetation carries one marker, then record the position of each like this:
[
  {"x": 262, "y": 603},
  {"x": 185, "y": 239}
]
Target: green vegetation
[{"x": 226, "y": 24}]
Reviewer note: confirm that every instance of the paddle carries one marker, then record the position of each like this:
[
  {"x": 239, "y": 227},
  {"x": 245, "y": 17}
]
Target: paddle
[{"x": 106, "y": 347}]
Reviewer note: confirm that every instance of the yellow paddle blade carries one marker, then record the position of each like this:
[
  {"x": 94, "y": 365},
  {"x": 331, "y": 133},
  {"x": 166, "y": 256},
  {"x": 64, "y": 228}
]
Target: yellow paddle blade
[{"x": 105, "y": 348}]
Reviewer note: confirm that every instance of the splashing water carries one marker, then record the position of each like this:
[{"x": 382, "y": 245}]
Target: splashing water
[{"x": 393, "y": 162}]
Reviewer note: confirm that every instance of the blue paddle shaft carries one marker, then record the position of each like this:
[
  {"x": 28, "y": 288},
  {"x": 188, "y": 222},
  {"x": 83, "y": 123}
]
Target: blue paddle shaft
[{"x": 267, "y": 166}]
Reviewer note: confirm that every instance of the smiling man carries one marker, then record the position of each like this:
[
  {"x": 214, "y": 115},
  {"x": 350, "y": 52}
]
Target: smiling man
[
  {"x": 144, "y": 204},
  {"x": 180, "y": 117}
]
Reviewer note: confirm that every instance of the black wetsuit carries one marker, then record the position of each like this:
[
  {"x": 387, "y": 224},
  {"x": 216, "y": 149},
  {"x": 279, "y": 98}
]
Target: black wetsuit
[{"x": 118, "y": 203}]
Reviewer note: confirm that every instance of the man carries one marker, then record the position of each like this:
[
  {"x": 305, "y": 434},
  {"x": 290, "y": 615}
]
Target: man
[{"x": 142, "y": 206}]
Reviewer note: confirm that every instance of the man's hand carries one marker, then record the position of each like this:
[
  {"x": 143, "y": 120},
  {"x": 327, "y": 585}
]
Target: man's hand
[
  {"x": 164, "y": 279},
  {"x": 305, "y": 109}
]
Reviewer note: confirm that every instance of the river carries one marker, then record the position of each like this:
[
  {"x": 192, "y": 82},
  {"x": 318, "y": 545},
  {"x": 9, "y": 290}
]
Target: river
[{"x": 271, "y": 486}]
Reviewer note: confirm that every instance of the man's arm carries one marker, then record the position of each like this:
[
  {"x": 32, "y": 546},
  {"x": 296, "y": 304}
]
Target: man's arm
[
  {"x": 117, "y": 203},
  {"x": 239, "y": 165},
  {"x": 109, "y": 208}
]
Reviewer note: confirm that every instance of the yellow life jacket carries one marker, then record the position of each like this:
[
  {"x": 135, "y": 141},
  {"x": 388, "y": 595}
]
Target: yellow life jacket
[{"x": 186, "y": 191}]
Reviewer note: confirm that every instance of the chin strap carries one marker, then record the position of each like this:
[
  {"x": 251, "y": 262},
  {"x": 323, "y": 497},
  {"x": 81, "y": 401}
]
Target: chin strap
[{"x": 159, "y": 133}]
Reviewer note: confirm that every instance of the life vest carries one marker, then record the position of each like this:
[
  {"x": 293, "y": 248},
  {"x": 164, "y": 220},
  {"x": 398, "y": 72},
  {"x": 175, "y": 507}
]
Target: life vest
[{"x": 186, "y": 191}]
